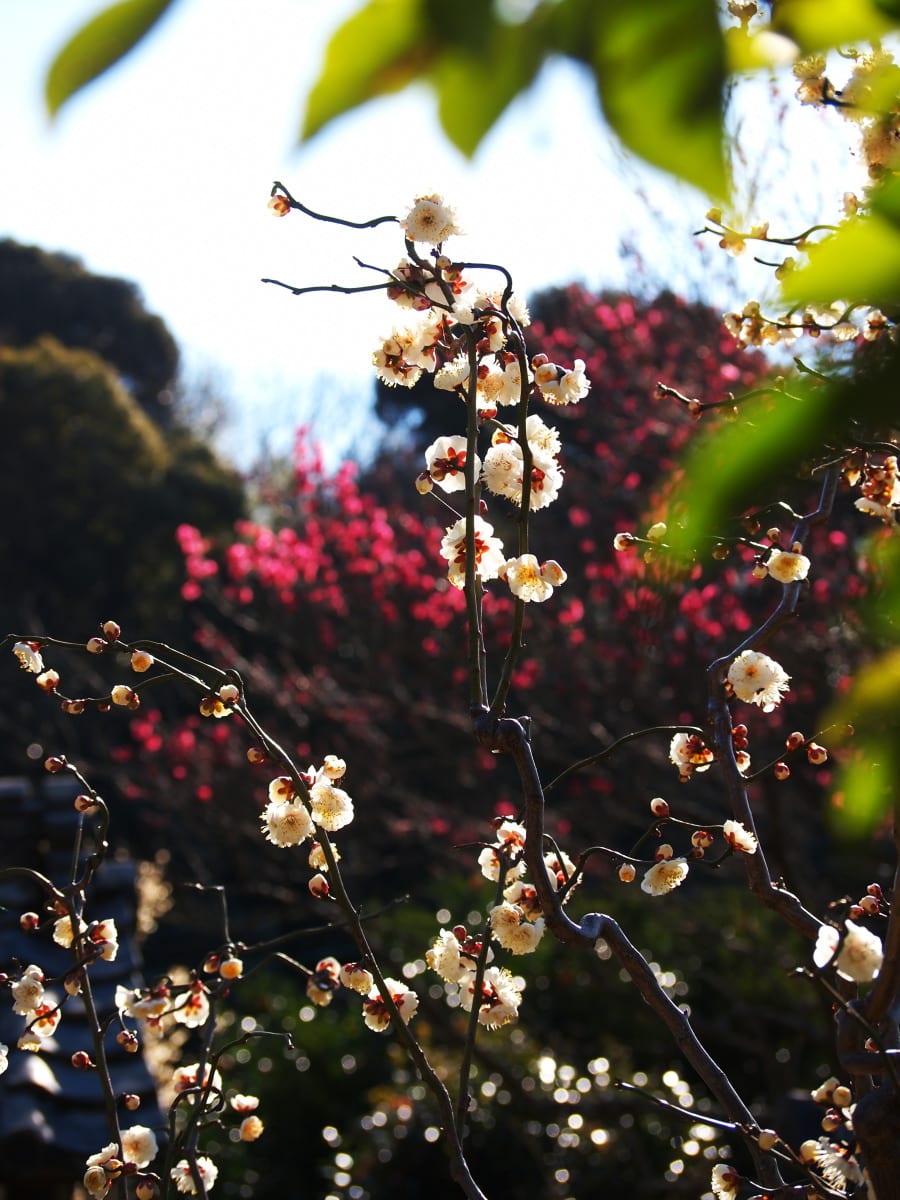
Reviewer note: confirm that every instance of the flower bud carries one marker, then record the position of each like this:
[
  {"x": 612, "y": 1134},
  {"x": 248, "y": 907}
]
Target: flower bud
[
  {"x": 318, "y": 887},
  {"x": 81, "y": 1061},
  {"x": 795, "y": 740},
  {"x": 141, "y": 661},
  {"x": 29, "y": 921},
  {"x": 841, "y": 1097},
  {"x": 874, "y": 889},
  {"x": 122, "y": 695},
  {"x": 75, "y": 708},
  {"x": 869, "y": 905},
  {"x": 657, "y": 531},
  {"x": 55, "y": 764},
  {"x": 659, "y": 807},
  {"x": 664, "y": 853},
  {"x": 131, "y": 1101},
  {"x": 111, "y": 631},
  {"x": 48, "y": 681},
  {"x": 231, "y": 968},
  {"x": 781, "y": 770},
  {"x": 767, "y": 1139},
  {"x": 229, "y": 693},
  {"x": 256, "y": 755},
  {"x": 627, "y": 872},
  {"x": 128, "y": 1041},
  {"x": 84, "y": 804},
  {"x": 424, "y": 483},
  {"x": 623, "y": 541},
  {"x": 816, "y": 754},
  {"x": 72, "y": 983},
  {"x": 96, "y": 645},
  {"x": 250, "y": 1129},
  {"x": 211, "y": 963},
  {"x": 808, "y": 1150},
  {"x": 702, "y": 839},
  {"x": 279, "y": 205}
]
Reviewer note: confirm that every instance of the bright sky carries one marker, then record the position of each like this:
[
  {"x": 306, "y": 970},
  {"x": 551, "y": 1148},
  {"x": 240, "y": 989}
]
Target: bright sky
[{"x": 160, "y": 173}]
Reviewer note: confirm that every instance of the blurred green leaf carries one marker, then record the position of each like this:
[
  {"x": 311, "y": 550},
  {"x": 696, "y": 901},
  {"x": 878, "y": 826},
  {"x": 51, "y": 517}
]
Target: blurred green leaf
[
  {"x": 99, "y": 45},
  {"x": 823, "y": 24},
  {"x": 378, "y": 50},
  {"x": 867, "y": 781},
  {"x": 736, "y": 467},
  {"x": 865, "y": 786},
  {"x": 474, "y": 89},
  {"x": 860, "y": 264},
  {"x": 660, "y": 69}
]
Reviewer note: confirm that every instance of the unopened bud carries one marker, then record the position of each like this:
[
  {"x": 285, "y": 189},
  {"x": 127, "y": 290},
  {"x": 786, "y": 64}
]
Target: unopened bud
[
  {"x": 229, "y": 693},
  {"x": 816, "y": 754},
  {"x": 659, "y": 807},
  {"x": 128, "y": 1041},
  {"x": 72, "y": 983},
  {"x": 623, "y": 541},
  {"x": 55, "y": 764},
  {"x": 231, "y": 968},
  {"x": 841, "y": 1097},
  {"x": 131, "y": 1101},
  {"x": 869, "y": 905},
  {"x": 627, "y": 872},
  {"x": 774, "y": 534},
  {"x": 112, "y": 631},
  {"x": 664, "y": 853},
  {"x": 781, "y": 770},
  {"x": 795, "y": 740},
  {"x": 701, "y": 839},
  {"x": 74, "y": 708},
  {"x": 767, "y": 1139},
  {"x": 29, "y": 921},
  {"x": 96, "y": 645},
  {"x": 318, "y": 887},
  {"x": 84, "y": 804},
  {"x": 424, "y": 483},
  {"x": 809, "y": 1150},
  {"x": 211, "y": 963},
  {"x": 122, "y": 695},
  {"x": 832, "y": 1121},
  {"x": 141, "y": 661},
  {"x": 81, "y": 1061},
  {"x": 874, "y": 889},
  {"x": 256, "y": 755}
]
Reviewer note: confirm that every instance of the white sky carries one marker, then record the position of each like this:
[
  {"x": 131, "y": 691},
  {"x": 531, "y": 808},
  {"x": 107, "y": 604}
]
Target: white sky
[{"x": 160, "y": 173}]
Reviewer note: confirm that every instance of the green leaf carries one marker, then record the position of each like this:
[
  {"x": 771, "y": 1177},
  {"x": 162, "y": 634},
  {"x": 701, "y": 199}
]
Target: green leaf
[
  {"x": 99, "y": 45},
  {"x": 660, "y": 72},
  {"x": 474, "y": 89},
  {"x": 378, "y": 50},
  {"x": 860, "y": 264},
  {"x": 737, "y": 467},
  {"x": 871, "y": 710},
  {"x": 823, "y": 24}
]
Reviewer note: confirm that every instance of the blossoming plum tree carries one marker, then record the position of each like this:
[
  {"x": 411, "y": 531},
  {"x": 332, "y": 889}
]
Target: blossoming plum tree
[{"x": 500, "y": 473}]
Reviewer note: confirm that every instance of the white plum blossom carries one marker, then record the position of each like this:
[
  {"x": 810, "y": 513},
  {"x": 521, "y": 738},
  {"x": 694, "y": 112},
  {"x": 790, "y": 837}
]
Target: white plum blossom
[
  {"x": 561, "y": 386},
  {"x": 429, "y": 220},
  {"x": 189, "y": 1077},
  {"x": 787, "y": 566},
  {"x": 331, "y": 806},
  {"x": 192, "y": 1008},
  {"x": 63, "y": 932},
  {"x": 501, "y": 995},
  {"x": 29, "y": 656},
  {"x": 139, "y": 1145},
  {"x": 666, "y": 875},
  {"x": 444, "y": 957},
  {"x": 453, "y": 374},
  {"x": 28, "y": 992},
  {"x": 4, "y": 1057},
  {"x": 504, "y": 468},
  {"x": 286, "y": 823},
  {"x": 512, "y": 931},
  {"x": 757, "y": 679},
  {"x": 739, "y": 838},
  {"x": 530, "y": 580},
  {"x": 725, "y": 1182},
  {"x": 184, "y": 1180},
  {"x": 489, "y": 556},
  {"x": 376, "y": 1014},
  {"x": 445, "y": 460},
  {"x": 689, "y": 753},
  {"x": 860, "y": 955},
  {"x": 147, "y": 1004},
  {"x": 357, "y": 978}
]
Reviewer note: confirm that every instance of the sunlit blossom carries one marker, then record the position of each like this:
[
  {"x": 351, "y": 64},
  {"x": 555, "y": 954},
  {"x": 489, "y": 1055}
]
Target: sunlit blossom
[
  {"x": 787, "y": 566},
  {"x": 429, "y": 220},
  {"x": 757, "y": 679},
  {"x": 286, "y": 823},
  {"x": 139, "y": 1145},
  {"x": 664, "y": 876},
  {"x": 739, "y": 838},
  {"x": 513, "y": 931},
  {"x": 860, "y": 955},
  {"x": 489, "y": 556},
  {"x": 446, "y": 460},
  {"x": 501, "y": 995},
  {"x": 376, "y": 1013},
  {"x": 184, "y": 1180}
]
